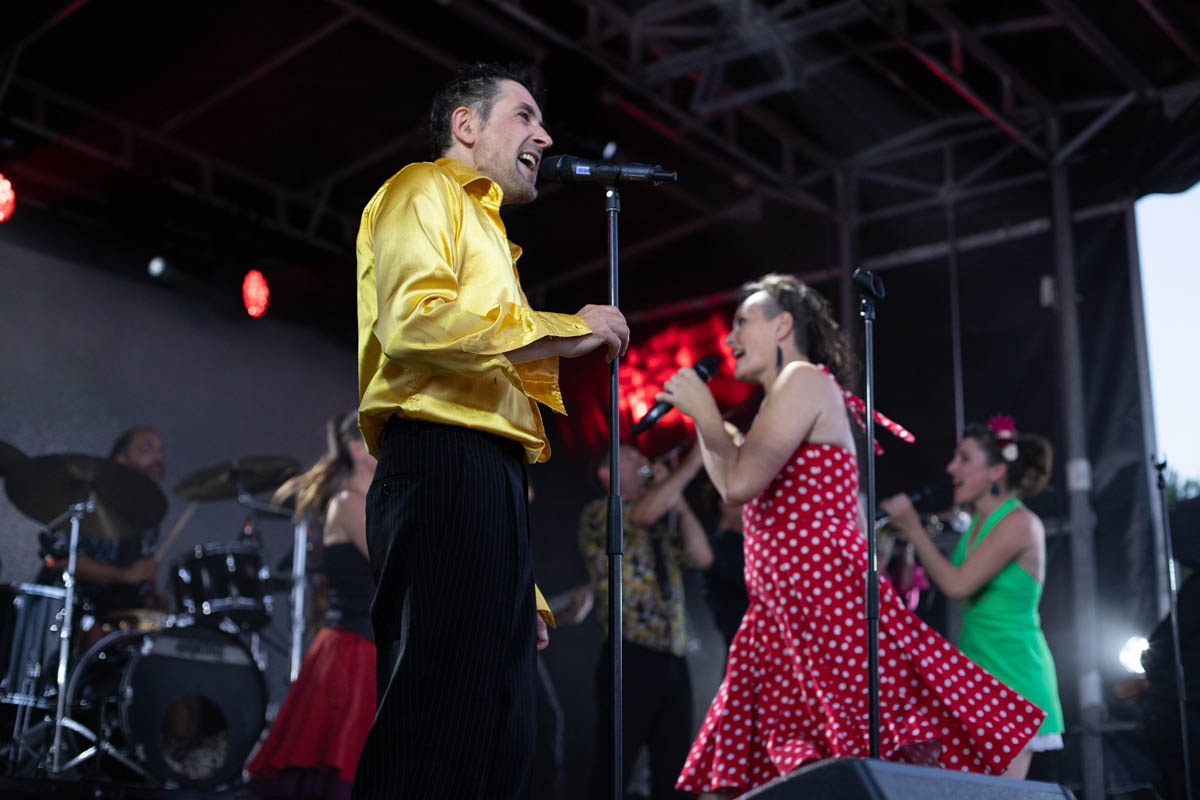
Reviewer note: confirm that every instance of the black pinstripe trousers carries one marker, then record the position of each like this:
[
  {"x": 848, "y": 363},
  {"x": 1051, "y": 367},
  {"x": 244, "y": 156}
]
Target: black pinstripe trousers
[{"x": 447, "y": 533}]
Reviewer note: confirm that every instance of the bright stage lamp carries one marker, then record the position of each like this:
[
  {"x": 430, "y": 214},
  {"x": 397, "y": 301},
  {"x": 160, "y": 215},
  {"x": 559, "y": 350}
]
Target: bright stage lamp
[
  {"x": 255, "y": 294},
  {"x": 8, "y": 198},
  {"x": 1131, "y": 654},
  {"x": 157, "y": 266}
]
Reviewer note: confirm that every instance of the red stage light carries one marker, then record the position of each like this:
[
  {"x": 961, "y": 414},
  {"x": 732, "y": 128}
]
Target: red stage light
[
  {"x": 255, "y": 294},
  {"x": 653, "y": 359},
  {"x": 8, "y": 198}
]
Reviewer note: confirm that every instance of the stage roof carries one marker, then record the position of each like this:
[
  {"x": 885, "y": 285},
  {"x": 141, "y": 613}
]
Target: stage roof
[{"x": 229, "y": 136}]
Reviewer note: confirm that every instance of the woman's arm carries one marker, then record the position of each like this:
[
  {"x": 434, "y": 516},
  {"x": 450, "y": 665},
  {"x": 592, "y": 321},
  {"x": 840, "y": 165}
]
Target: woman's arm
[
  {"x": 695, "y": 538},
  {"x": 665, "y": 494},
  {"x": 790, "y": 412},
  {"x": 1004, "y": 543}
]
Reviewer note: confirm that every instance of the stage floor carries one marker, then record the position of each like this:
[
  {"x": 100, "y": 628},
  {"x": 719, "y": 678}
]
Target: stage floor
[{"x": 69, "y": 789}]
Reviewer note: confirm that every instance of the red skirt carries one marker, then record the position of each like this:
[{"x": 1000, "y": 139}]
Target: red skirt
[{"x": 327, "y": 714}]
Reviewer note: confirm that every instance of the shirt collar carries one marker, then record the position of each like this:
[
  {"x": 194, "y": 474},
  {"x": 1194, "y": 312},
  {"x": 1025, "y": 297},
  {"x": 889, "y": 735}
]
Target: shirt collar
[
  {"x": 486, "y": 190},
  {"x": 475, "y": 182}
]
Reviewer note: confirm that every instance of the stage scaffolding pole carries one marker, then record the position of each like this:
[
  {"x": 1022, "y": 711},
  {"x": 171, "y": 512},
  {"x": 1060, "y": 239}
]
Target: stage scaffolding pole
[
  {"x": 1137, "y": 307},
  {"x": 956, "y": 356},
  {"x": 1079, "y": 475}
]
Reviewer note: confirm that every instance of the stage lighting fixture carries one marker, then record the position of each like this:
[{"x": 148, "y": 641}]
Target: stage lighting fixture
[
  {"x": 8, "y": 198},
  {"x": 157, "y": 266},
  {"x": 1131, "y": 654},
  {"x": 255, "y": 294},
  {"x": 610, "y": 150}
]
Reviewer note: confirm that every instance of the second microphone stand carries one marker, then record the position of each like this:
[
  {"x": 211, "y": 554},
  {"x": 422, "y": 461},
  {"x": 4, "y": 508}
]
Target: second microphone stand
[
  {"x": 1173, "y": 613},
  {"x": 870, "y": 289}
]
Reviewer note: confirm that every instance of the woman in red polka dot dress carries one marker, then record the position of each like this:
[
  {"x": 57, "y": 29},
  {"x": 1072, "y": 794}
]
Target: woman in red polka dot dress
[{"x": 795, "y": 687}]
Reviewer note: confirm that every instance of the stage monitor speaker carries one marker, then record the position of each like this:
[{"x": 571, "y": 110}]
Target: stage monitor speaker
[{"x": 871, "y": 779}]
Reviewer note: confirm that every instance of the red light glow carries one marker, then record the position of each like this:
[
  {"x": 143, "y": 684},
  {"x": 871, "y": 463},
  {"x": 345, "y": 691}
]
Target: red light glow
[
  {"x": 8, "y": 198},
  {"x": 646, "y": 367},
  {"x": 255, "y": 294}
]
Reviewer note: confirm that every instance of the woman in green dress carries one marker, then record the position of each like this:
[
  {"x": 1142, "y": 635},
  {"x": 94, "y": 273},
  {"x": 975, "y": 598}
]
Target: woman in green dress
[{"x": 997, "y": 570}]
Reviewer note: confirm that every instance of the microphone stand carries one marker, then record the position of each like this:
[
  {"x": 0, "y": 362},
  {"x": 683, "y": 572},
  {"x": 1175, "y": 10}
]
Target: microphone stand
[
  {"x": 568, "y": 169},
  {"x": 1180, "y": 686},
  {"x": 870, "y": 289},
  {"x": 616, "y": 523}
]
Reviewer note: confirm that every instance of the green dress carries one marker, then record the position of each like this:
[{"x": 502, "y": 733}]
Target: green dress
[{"x": 1002, "y": 630}]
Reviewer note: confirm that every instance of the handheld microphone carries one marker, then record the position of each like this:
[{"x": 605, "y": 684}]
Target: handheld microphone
[
  {"x": 705, "y": 368},
  {"x": 573, "y": 169},
  {"x": 916, "y": 498}
]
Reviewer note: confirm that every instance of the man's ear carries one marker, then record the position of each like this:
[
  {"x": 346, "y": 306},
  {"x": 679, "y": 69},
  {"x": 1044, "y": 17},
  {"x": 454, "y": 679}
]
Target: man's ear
[{"x": 463, "y": 124}]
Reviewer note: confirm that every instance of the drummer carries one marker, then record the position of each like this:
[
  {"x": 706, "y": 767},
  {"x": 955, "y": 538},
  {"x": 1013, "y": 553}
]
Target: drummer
[{"x": 120, "y": 574}]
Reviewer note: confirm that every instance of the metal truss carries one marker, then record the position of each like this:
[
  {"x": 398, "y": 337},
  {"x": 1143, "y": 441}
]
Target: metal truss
[
  {"x": 653, "y": 52},
  {"x": 136, "y": 149}
]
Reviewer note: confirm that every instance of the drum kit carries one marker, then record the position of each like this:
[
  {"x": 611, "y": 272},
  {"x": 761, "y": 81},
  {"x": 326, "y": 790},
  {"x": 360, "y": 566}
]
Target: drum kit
[{"x": 176, "y": 700}]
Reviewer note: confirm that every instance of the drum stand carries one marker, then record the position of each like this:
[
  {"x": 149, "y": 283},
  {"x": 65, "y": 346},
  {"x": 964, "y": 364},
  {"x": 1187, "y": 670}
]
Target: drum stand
[
  {"x": 299, "y": 578},
  {"x": 299, "y": 581},
  {"x": 76, "y": 513}
]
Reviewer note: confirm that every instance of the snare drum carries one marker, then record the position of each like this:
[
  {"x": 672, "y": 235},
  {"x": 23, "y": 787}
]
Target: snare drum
[
  {"x": 186, "y": 704},
  {"x": 223, "y": 581},
  {"x": 30, "y": 644}
]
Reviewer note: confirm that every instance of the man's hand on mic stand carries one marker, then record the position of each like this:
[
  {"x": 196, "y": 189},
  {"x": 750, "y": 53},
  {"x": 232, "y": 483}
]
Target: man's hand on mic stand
[{"x": 609, "y": 329}]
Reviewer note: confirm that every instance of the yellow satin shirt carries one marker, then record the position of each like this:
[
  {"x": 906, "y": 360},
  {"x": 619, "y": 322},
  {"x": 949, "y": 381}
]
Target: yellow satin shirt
[{"x": 440, "y": 302}]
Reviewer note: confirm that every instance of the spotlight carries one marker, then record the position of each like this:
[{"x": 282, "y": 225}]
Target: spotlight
[
  {"x": 8, "y": 198},
  {"x": 255, "y": 294},
  {"x": 1131, "y": 654},
  {"x": 610, "y": 150},
  {"x": 157, "y": 266}
]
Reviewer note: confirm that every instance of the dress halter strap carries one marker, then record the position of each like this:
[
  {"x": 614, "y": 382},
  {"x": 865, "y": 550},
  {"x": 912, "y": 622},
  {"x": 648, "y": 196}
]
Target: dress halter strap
[{"x": 858, "y": 408}]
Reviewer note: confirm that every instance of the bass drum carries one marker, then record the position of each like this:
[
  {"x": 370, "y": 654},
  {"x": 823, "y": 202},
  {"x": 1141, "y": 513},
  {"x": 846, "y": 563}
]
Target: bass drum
[{"x": 186, "y": 704}]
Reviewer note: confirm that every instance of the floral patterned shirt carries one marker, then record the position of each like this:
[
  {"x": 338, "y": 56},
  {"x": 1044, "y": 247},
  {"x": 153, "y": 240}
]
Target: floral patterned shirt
[{"x": 652, "y": 592}]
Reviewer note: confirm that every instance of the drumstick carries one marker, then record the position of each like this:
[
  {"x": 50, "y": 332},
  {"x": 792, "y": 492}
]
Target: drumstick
[{"x": 179, "y": 523}]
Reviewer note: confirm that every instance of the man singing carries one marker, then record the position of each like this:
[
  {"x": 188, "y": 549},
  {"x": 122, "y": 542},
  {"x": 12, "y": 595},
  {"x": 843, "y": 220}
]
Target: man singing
[{"x": 452, "y": 363}]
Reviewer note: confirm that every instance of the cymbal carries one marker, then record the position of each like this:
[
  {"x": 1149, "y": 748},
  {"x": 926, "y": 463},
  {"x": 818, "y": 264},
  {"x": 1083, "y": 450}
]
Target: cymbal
[
  {"x": 127, "y": 502},
  {"x": 10, "y": 457},
  {"x": 225, "y": 481}
]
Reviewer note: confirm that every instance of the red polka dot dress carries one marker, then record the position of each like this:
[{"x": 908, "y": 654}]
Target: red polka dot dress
[{"x": 795, "y": 687}]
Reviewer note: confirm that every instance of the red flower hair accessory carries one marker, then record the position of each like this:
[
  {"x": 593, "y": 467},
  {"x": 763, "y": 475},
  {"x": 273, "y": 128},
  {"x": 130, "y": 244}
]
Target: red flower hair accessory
[{"x": 1005, "y": 431}]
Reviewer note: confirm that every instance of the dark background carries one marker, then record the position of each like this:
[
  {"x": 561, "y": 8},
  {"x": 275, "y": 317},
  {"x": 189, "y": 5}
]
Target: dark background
[{"x": 228, "y": 136}]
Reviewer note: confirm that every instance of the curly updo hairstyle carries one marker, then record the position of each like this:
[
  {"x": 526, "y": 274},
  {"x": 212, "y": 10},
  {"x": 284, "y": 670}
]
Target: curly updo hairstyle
[
  {"x": 1029, "y": 473},
  {"x": 816, "y": 333}
]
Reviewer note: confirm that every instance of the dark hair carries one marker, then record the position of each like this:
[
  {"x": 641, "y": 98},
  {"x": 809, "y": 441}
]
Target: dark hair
[
  {"x": 816, "y": 333},
  {"x": 314, "y": 488},
  {"x": 1029, "y": 474},
  {"x": 474, "y": 86},
  {"x": 122, "y": 443}
]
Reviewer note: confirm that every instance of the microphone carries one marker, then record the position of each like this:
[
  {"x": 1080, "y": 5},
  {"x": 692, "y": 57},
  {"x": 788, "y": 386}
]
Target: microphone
[
  {"x": 916, "y": 498},
  {"x": 705, "y": 368},
  {"x": 573, "y": 169}
]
